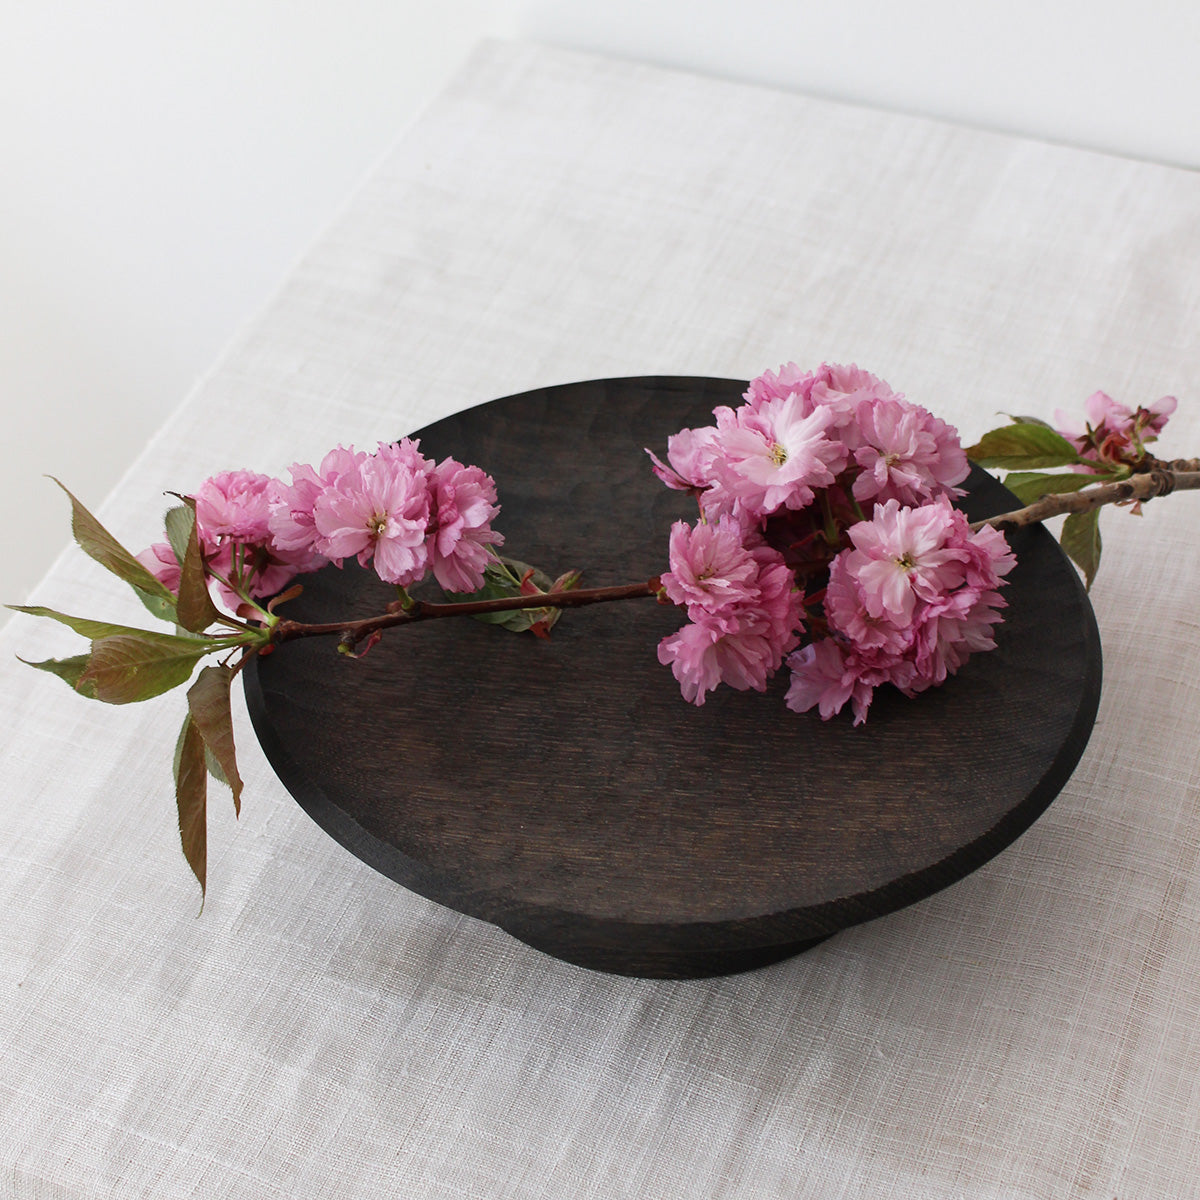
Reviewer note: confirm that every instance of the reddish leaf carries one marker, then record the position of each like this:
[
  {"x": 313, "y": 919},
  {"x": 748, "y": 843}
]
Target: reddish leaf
[
  {"x": 191, "y": 799},
  {"x": 196, "y": 611},
  {"x": 295, "y": 590},
  {"x": 1080, "y": 538},
  {"x": 566, "y": 582},
  {"x": 94, "y": 629},
  {"x": 97, "y": 542},
  {"x": 208, "y": 705},
  {"x": 124, "y": 670}
]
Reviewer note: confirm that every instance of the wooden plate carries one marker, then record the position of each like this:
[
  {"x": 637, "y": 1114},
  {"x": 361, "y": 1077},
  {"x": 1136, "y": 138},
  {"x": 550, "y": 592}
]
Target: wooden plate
[{"x": 564, "y": 791}]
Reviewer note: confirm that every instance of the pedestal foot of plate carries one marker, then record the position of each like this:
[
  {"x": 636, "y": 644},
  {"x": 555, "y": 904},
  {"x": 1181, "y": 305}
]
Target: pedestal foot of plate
[{"x": 674, "y": 964}]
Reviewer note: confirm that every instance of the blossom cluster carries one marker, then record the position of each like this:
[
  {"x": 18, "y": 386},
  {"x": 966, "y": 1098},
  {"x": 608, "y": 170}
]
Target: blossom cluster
[
  {"x": 742, "y": 606},
  {"x": 394, "y": 508},
  {"x": 1114, "y": 434},
  {"x": 914, "y": 597},
  {"x": 786, "y": 550}
]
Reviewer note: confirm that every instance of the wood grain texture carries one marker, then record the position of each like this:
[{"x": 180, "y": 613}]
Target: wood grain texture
[{"x": 564, "y": 791}]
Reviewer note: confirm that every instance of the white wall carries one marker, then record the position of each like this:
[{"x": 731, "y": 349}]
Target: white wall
[{"x": 163, "y": 162}]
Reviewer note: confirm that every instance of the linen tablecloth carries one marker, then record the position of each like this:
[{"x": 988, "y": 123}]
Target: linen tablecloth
[{"x": 1033, "y": 1031}]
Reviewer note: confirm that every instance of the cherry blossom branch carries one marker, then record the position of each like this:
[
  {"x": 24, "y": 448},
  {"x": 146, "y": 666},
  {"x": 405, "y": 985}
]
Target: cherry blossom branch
[
  {"x": 352, "y": 632},
  {"x": 1161, "y": 480}
]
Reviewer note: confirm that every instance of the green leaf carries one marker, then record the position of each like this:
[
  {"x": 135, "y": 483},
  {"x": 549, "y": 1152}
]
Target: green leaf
[
  {"x": 494, "y": 586},
  {"x": 179, "y": 522},
  {"x": 1080, "y": 538},
  {"x": 1028, "y": 421},
  {"x": 208, "y": 704},
  {"x": 1029, "y": 486},
  {"x": 195, "y": 609},
  {"x": 214, "y": 769},
  {"x": 521, "y": 619},
  {"x": 125, "y": 669},
  {"x": 513, "y": 570},
  {"x": 97, "y": 542},
  {"x": 162, "y": 607},
  {"x": 126, "y": 664},
  {"x": 70, "y": 669},
  {"x": 1023, "y": 444},
  {"x": 191, "y": 799},
  {"x": 502, "y": 580},
  {"x": 497, "y": 584},
  {"x": 100, "y": 629}
]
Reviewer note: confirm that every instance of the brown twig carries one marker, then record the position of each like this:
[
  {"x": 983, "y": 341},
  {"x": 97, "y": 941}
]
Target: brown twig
[
  {"x": 1159, "y": 481},
  {"x": 352, "y": 632}
]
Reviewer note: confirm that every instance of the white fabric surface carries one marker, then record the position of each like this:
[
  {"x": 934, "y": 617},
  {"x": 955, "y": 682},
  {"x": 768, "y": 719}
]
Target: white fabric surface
[{"x": 1032, "y": 1032}]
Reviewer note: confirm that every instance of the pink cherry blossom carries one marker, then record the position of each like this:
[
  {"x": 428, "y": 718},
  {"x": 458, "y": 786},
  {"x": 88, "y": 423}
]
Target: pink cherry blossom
[
  {"x": 406, "y": 453},
  {"x": 904, "y": 555},
  {"x": 292, "y": 526},
  {"x": 799, "y": 430},
  {"x": 460, "y": 532},
  {"x": 772, "y": 385},
  {"x": 905, "y": 453},
  {"x": 846, "y": 389},
  {"x": 779, "y": 610},
  {"x": 829, "y": 673},
  {"x": 780, "y": 480},
  {"x": 949, "y": 633},
  {"x": 393, "y": 508},
  {"x": 840, "y": 387},
  {"x": 233, "y": 522},
  {"x": 743, "y": 610},
  {"x": 704, "y": 654},
  {"x": 847, "y": 611},
  {"x": 233, "y": 513},
  {"x": 161, "y": 562},
  {"x": 911, "y": 601},
  {"x": 236, "y": 505},
  {"x": 378, "y": 512},
  {"x": 775, "y": 456},
  {"x": 710, "y": 567},
  {"x": 989, "y": 557},
  {"x": 690, "y": 453}
]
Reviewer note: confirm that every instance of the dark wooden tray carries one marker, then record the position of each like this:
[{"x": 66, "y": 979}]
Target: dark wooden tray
[{"x": 564, "y": 791}]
